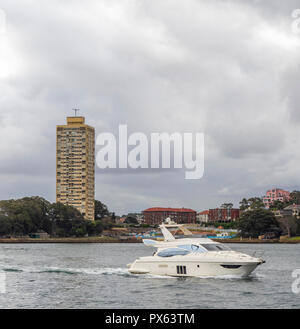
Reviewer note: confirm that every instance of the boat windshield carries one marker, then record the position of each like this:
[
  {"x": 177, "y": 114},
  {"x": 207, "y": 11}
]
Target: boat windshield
[
  {"x": 215, "y": 247},
  {"x": 172, "y": 252},
  {"x": 192, "y": 248}
]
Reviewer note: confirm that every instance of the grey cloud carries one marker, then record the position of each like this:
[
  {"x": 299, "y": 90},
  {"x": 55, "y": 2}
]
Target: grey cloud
[{"x": 225, "y": 68}]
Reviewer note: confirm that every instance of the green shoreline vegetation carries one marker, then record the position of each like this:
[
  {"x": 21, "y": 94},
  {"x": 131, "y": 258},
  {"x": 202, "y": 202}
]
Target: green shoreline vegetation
[
  {"x": 29, "y": 215},
  {"x": 105, "y": 239},
  {"x": 94, "y": 239}
]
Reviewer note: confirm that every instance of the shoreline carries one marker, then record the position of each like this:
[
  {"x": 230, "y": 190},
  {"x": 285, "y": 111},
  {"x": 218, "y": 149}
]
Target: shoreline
[
  {"x": 117, "y": 240},
  {"x": 68, "y": 240},
  {"x": 277, "y": 241}
]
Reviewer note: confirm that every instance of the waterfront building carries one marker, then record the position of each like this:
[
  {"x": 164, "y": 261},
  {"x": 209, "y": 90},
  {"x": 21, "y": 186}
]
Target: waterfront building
[
  {"x": 291, "y": 210},
  {"x": 202, "y": 217},
  {"x": 157, "y": 215},
  {"x": 122, "y": 220},
  {"x": 75, "y": 165},
  {"x": 274, "y": 195},
  {"x": 223, "y": 214}
]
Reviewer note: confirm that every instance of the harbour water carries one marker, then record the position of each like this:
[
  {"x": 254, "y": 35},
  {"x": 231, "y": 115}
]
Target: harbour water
[{"x": 95, "y": 276}]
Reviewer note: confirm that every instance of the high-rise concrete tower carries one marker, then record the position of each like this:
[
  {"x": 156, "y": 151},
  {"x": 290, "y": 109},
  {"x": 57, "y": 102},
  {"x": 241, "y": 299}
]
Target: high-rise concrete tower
[{"x": 75, "y": 165}]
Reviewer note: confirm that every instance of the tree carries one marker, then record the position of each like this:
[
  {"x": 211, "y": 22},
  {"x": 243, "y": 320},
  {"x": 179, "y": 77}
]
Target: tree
[
  {"x": 257, "y": 222},
  {"x": 100, "y": 210},
  {"x": 94, "y": 227},
  {"x": 289, "y": 225},
  {"x": 256, "y": 203},
  {"x": 63, "y": 218},
  {"x": 244, "y": 204},
  {"x": 5, "y": 225},
  {"x": 59, "y": 211},
  {"x": 31, "y": 214},
  {"x": 25, "y": 215},
  {"x": 251, "y": 203},
  {"x": 278, "y": 205},
  {"x": 295, "y": 197},
  {"x": 227, "y": 205},
  {"x": 98, "y": 227},
  {"x": 131, "y": 220}
]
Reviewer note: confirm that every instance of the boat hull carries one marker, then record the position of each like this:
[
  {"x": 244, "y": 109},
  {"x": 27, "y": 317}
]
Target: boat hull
[{"x": 191, "y": 269}]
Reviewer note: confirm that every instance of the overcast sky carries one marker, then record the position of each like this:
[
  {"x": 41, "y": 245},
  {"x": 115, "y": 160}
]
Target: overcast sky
[{"x": 229, "y": 69}]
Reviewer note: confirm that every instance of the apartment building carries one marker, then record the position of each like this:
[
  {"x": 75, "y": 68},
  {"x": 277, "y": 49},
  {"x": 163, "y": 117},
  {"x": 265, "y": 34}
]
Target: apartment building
[
  {"x": 203, "y": 216},
  {"x": 275, "y": 194},
  {"x": 157, "y": 215},
  {"x": 75, "y": 165},
  {"x": 223, "y": 215}
]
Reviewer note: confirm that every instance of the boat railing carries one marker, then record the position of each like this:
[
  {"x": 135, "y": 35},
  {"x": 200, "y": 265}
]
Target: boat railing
[{"x": 258, "y": 253}]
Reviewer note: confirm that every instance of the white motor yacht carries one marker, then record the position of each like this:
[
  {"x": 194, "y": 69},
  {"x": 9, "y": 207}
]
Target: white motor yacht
[{"x": 192, "y": 257}]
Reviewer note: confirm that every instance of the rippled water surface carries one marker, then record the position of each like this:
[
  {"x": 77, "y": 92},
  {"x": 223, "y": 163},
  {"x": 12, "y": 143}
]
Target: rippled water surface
[{"x": 95, "y": 276}]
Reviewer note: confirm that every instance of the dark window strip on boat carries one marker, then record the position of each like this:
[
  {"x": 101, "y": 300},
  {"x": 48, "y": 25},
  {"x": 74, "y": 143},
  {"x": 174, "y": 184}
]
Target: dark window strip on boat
[{"x": 231, "y": 266}]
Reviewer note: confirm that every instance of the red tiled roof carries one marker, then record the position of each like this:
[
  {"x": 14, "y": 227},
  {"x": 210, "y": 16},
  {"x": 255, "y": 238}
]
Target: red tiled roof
[
  {"x": 169, "y": 209},
  {"x": 205, "y": 212}
]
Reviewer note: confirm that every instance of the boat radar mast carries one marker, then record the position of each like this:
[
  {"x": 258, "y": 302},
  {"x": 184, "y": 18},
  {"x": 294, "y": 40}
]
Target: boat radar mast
[{"x": 169, "y": 223}]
